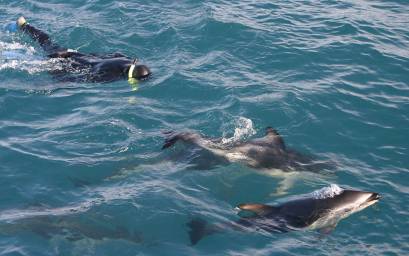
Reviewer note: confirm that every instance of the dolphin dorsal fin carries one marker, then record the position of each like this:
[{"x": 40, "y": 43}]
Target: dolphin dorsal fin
[
  {"x": 258, "y": 209},
  {"x": 276, "y": 138}
]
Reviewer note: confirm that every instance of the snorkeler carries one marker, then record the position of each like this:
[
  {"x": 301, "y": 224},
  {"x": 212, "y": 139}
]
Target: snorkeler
[{"x": 81, "y": 67}]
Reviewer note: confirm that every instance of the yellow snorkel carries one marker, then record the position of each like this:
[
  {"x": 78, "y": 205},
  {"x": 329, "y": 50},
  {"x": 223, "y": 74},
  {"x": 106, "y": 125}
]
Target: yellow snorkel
[{"x": 131, "y": 80}]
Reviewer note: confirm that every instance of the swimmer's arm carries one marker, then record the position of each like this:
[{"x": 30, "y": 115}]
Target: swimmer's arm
[{"x": 37, "y": 35}]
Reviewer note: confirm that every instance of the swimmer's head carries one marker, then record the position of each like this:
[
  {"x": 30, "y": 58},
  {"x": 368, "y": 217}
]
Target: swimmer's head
[{"x": 139, "y": 72}]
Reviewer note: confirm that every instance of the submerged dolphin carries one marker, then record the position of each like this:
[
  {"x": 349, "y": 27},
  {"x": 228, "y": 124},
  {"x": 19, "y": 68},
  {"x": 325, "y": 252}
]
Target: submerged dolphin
[
  {"x": 321, "y": 210},
  {"x": 268, "y": 154},
  {"x": 69, "y": 228}
]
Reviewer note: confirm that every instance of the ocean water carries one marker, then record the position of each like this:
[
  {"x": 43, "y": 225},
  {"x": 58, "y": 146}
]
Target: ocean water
[{"x": 82, "y": 171}]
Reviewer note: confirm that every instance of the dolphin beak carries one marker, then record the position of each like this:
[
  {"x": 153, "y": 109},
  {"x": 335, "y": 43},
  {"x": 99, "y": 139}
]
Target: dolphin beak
[{"x": 374, "y": 197}]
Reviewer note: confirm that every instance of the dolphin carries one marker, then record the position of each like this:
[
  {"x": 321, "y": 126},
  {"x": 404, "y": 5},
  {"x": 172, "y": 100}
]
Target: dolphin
[
  {"x": 320, "y": 210},
  {"x": 269, "y": 154},
  {"x": 72, "y": 229}
]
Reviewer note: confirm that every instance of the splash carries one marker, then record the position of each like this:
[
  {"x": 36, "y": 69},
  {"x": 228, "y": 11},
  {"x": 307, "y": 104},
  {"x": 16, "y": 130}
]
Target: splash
[
  {"x": 244, "y": 129},
  {"x": 17, "y": 46},
  {"x": 21, "y": 57},
  {"x": 327, "y": 192},
  {"x": 16, "y": 51}
]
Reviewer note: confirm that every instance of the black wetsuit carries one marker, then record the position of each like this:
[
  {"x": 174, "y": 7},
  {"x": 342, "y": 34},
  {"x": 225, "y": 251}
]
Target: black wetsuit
[{"x": 79, "y": 67}]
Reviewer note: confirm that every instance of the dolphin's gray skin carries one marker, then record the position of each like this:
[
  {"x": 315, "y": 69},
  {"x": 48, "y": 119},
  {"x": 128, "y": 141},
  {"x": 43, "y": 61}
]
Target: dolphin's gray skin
[
  {"x": 321, "y": 210},
  {"x": 70, "y": 228},
  {"x": 268, "y": 152}
]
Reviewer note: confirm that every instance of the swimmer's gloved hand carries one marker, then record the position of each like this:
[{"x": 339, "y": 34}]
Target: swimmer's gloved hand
[
  {"x": 21, "y": 22},
  {"x": 14, "y": 26}
]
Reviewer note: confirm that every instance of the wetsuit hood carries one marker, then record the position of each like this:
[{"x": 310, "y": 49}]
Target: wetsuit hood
[{"x": 139, "y": 72}]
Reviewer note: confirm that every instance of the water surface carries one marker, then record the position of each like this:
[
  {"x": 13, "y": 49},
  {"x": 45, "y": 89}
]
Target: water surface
[{"x": 82, "y": 172}]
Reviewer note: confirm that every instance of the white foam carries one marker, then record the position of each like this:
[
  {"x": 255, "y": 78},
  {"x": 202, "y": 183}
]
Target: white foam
[
  {"x": 244, "y": 128},
  {"x": 327, "y": 192},
  {"x": 4, "y": 46},
  {"x": 21, "y": 57},
  {"x": 32, "y": 66}
]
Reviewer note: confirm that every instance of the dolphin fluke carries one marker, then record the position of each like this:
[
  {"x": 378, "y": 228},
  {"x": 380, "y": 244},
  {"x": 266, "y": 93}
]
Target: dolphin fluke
[
  {"x": 187, "y": 137},
  {"x": 170, "y": 140},
  {"x": 199, "y": 228}
]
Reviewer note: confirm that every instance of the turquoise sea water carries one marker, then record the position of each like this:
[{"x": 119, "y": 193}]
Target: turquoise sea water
[{"x": 82, "y": 171}]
